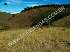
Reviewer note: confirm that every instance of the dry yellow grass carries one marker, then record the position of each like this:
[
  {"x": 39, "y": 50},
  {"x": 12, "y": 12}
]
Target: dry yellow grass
[{"x": 52, "y": 39}]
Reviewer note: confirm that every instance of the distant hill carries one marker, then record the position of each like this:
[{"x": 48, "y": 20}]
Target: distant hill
[
  {"x": 32, "y": 15},
  {"x": 4, "y": 20},
  {"x": 4, "y": 17}
]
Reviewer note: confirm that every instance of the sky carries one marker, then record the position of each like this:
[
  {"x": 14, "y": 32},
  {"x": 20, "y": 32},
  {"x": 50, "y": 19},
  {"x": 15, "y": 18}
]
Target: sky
[{"x": 16, "y": 6}]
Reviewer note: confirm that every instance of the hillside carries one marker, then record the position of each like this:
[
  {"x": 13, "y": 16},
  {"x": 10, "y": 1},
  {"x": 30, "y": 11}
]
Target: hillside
[{"x": 31, "y": 16}]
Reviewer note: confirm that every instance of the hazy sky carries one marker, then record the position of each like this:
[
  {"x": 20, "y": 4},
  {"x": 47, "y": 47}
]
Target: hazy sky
[{"x": 15, "y": 6}]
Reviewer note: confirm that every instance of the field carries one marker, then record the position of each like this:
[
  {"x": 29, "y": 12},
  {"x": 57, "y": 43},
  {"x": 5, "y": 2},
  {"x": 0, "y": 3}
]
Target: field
[{"x": 51, "y": 39}]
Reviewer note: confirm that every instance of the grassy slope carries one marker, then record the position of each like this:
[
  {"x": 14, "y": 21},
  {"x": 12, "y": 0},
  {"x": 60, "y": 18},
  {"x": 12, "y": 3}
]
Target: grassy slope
[{"x": 53, "y": 39}]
